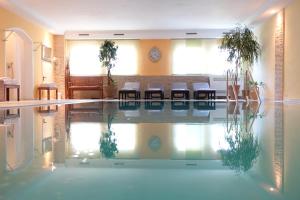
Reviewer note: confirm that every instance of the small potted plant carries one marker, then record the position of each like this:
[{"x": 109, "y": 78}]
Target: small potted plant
[
  {"x": 108, "y": 142},
  {"x": 242, "y": 152},
  {"x": 254, "y": 89},
  {"x": 243, "y": 49},
  {"x": 107, "y": 56}
]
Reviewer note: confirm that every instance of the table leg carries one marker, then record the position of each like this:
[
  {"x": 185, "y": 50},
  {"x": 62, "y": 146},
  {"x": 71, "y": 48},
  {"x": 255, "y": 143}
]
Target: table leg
[
  {"x": 7, "y": 94},
  {"x": 18, "y": 94},
  {"x": 40, "y": 94},
  {"x": 48, "y": 94}
]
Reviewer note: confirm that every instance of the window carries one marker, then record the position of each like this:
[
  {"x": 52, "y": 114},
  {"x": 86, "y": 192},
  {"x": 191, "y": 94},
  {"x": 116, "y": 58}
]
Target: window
[
  {"x": 126, "y": 141},
  {"x": 201, "y": 56},
  {"x": 85, "y": 137},
  {"x": 127, "y": 58},
  {"x": 84, "y": 59},
  {"x": 198, "y": 137}
]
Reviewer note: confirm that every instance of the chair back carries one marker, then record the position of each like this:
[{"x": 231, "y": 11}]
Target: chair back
[
  {"x": 155, "y": 86},
  {"x": 132, "y": 86},
  {"x": 179, "y": 86},
  {"x": 200, "y": 86}
]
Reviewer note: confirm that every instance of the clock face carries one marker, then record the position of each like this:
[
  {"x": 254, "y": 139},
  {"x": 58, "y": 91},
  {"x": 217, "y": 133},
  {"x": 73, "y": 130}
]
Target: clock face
[{"x": 154, "y": 54}]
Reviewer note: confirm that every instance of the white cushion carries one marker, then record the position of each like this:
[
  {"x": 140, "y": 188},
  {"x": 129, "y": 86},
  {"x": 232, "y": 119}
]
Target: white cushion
[
  {"x": 131, "y": 86},
  {"x": 48, "y": 85},
  {"x": 200, "y": 86},
  {"x": 179, "y": 86},
  {"x": 155, "y": 86},
  {"x": 9, "y": 81}
]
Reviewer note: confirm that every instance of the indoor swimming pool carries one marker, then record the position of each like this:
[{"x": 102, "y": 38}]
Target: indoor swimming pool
[{"x": 151, "y": 150}]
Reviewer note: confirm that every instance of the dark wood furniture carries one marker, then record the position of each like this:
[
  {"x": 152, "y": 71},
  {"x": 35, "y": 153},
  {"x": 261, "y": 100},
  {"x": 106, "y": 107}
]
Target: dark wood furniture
[
  {"x": 82, "y": 83},
  {"x": 85, "y": 83},
  {"x": 48, "y": 109},
  {"x": 7, "y": 88},
  {"x": 211, "y": 94},
  {"x": 205, "y": 105},
  {"x": 48, "y": 89},
  {"x": 129, "y": 105},
  {"x": 150, "y": 94},
  {"x": 123, "y": 94},
  {"x": 154, "y": 105},
  {"x": 180, "y": 105},
  {"x": 180, "y": 94}
]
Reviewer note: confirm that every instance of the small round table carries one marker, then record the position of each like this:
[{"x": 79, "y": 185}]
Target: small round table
[{"x": 48, "y": 88}]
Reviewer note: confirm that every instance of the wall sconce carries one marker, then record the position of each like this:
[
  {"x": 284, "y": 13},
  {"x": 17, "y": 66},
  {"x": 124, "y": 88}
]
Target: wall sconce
[
  {"x": 9, "y": 65},
  {"x": 54, "y": 61}
]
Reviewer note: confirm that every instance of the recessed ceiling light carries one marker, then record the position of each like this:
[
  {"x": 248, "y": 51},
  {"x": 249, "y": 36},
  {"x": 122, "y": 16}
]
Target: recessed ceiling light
[
  {"x": 83, "y": 34},
  {"x": 119, "y": 34},
  {"x": 191, "y": 33}
]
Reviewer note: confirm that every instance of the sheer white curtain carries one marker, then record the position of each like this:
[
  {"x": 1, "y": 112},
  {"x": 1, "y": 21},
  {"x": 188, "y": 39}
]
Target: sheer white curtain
[
  {"x": 127, "y": 58},
  {"x": 198, "y": 56},
  {"x": 83, "y": 58},
  {"x": 84, "y": 61}
]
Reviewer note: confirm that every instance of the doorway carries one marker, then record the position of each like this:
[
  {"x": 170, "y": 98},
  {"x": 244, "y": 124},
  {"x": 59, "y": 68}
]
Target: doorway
[{"x": 19, "y": 61}]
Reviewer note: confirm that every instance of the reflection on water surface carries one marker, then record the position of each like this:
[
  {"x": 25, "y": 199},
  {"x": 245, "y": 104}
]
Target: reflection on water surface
[{"x": 206, "y": 144}]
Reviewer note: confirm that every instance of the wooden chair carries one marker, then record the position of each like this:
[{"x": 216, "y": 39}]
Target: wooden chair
[
  {"x": 154, "y": 90},
  {"x": 85, "y": 83},
  {"x": 48, "y": 87},
  {"x": 203, "y": 88},
  {"x": 180, "y": 90},
  {"x": 7, "y": 84},
  {"x": 130, "y": 88}
]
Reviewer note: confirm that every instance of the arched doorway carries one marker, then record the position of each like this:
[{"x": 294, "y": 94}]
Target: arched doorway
[{"x": 19, "y": 60}]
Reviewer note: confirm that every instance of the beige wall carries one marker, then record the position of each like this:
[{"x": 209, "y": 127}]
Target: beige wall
[
  {"x": 35, "y": 32},
  {"x": 292, "y": 48},
  {"x": 149, "y": 68},
  {"x": 264, "y": 70}
]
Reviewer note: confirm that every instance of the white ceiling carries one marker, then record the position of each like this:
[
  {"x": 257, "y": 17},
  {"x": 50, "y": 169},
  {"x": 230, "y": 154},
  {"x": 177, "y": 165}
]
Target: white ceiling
[{"x": 106, "y": 15}]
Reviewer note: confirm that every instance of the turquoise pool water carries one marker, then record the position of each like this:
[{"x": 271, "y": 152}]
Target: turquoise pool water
[{"x": 151, "y": 150}]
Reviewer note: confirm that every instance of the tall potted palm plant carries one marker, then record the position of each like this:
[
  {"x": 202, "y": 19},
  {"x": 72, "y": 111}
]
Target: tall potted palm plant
[
  {"x": 107, "y": 56},
  {"x": 243, "y": 50}
]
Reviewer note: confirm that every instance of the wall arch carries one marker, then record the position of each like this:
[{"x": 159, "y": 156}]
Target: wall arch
[{"x": 19, "y": 60}]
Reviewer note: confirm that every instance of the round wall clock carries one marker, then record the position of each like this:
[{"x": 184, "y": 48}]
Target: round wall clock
[
  {"x": 154, "y": 143},
  {"x": 154, "y": 54}
]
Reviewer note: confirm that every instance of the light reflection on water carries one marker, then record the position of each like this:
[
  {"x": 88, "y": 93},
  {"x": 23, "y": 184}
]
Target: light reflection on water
[{"x": 237, "y": 145}]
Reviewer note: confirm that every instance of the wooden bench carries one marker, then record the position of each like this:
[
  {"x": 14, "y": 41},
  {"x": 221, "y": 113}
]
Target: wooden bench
[
  {"x": 82, "y": 83},
  {"x": 5, "y": 86},
  {"x": 85, "y": 83},
  {"x": 48, "y": 88}
]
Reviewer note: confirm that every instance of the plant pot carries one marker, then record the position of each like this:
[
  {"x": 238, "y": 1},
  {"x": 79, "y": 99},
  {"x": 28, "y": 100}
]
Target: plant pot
[
  {"x": 233, "y": 89},
  {"x": 252, "y": 93},
  {"x": 245, "y": 94},
  {"x": 109, "y": 91}
]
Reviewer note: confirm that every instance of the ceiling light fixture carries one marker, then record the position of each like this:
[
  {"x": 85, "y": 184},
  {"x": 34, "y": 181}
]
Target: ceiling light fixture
[
  {"x": 191, "y": 33},
  {"x": 119, "y": 34},
  {"x": 83, "y": 34}
]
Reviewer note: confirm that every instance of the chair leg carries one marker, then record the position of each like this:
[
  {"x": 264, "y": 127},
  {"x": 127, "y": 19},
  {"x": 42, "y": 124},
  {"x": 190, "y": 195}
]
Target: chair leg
[
  {"x": 18, "y": 94},
  {"x": 7, "y": 94}
]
